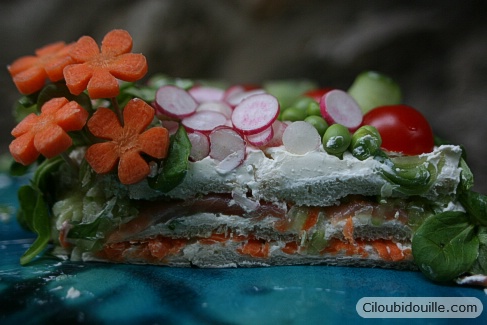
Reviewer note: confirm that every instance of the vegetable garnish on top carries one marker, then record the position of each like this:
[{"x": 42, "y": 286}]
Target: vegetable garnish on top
[{"x": 86, "y": 123}]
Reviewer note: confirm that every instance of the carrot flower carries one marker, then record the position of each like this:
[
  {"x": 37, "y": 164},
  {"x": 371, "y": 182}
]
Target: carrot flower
[
  {"x": 98, "y": 71},
  {"x": 126, "y": 143},
  {"x": 30, "y": 72},
  {"x": 46, "y": 133}
]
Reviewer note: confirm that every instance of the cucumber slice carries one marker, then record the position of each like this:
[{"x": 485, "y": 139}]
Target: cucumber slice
[{"x": 372, "y": 89}]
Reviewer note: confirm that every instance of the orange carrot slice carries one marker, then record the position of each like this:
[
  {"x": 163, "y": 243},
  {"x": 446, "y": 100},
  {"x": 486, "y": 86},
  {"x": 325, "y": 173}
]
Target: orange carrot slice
[
  {"x": 77, "y": 77},
  {"x": 127, "y": 143},
  {"x": 46, "y": 133},
  {"x": 29, "y": 73},
  {"x": 102, "y": 84},
  {"x": 117, "y": 42},
  {"x": 97, "y": 71}
]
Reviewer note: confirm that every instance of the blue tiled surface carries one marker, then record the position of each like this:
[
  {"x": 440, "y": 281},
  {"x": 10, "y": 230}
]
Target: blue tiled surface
[{"x": 50, "y": 291}]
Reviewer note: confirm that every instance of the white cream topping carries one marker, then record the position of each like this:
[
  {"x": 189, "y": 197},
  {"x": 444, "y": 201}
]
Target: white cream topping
[{"x": 315, "y": 178}]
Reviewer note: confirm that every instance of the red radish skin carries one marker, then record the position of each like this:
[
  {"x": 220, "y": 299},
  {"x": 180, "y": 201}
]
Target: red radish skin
[
  {"x": 262, "y": 138},
  {"x": 278, "y": 128},
  {"x": 204, "y": 121},
  {"x": 200, "y": 145},
  {"x": 231, "y": 161},
  {"x": 228, "y": 147},
  {"x": 339, "y": 107},
  {"x": 223, "y": 141},
  {"x": 203, "y": 94},
  {"x": 237, "y": 97},
  {"x": 216, "y": 106},
  {"x": 255, "y": 114},
  {"x": 231, "y": 91},
  {"x": 316, "y": 94},
  {"x": 171, "y": 126},
  {"x": 175, "y": 102}
]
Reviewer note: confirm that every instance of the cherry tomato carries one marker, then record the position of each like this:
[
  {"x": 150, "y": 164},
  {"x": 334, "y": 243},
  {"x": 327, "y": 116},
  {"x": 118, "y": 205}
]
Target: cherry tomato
[
  {"x": 402, "y": 128},
  {"x": 316, "y": 94}
]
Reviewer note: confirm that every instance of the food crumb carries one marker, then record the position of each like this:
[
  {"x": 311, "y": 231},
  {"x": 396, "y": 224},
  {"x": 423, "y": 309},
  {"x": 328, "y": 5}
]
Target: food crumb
[{"x": 73, "y": 293}]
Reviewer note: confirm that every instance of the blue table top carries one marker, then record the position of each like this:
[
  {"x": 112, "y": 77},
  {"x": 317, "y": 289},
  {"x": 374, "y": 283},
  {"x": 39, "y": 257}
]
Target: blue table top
[{"x": 50, "y": 291}]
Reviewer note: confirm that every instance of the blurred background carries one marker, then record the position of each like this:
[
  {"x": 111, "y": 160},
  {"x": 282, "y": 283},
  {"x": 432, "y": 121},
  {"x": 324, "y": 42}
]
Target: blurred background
[{"x": 436, "y": 50}]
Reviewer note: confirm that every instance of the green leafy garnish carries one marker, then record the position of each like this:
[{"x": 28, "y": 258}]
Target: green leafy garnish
[
  {"x": 476, "y": 206},
  {"x": 174, "y": 168},
  {"x": 60, "y": 89},
  {"x": 25, "y": 106},
  {"x": 480, "y": 266},
  {"x": 34, "y": 209},
  {"x": 40, "y": 223},
  {"x": 445, "y": 246}
]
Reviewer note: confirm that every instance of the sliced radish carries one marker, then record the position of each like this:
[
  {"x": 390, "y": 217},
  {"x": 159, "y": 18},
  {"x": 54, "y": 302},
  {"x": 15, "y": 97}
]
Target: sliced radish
[
  {"x": 255, "y": 114},
  {"x": 278, "y": 128},
  {"x": 231, "y": 161},
  {"x": 204, "y": 121},
  {"x": 200, "y": 145},
  {"x": 204, "y": 94},
  {"x": 300, "y": 138},
  {"x": 262, "y": 138},
  {"x": 171, "y": 126},
  {"x": 244, "y": 202},
  {"x": 237, "y": 96},
  {"x": 216, "y": 106},
  {"x": 228, "y": 147},
  {"x": 175, "y": 102},
  {"x": 231, "y": 91},
  {"x": 339, "y": 107}
]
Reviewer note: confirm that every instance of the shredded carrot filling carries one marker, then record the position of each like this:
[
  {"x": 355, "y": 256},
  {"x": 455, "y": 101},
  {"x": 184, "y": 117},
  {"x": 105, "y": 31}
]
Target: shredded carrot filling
[
  {"x": 290, "y": 248},
  {"x": 161, "y": 247},
  {"x": 255, "y": 248},
  {"x": 153, "y": 249},
  {"x": 337, "y": 246},
  {"x": 348, "y": 230},
  {"x": 312, "y": 219},
  {"x": 388, "y": 250}
]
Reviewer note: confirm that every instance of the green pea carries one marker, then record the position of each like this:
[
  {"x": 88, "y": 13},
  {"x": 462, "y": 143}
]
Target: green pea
[
  {"x": 336, "y": 139},
  {"x": 318, "y": 122},
  {"x": 303, "y": 103},
  {"x": 313, "y": 109},
  {"x": 293, "y": 114},
  {"x": 366, "y": 142}
]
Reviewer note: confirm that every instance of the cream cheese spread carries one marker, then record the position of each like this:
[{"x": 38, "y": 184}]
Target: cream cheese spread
[{"x": 314, "y": 179}]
